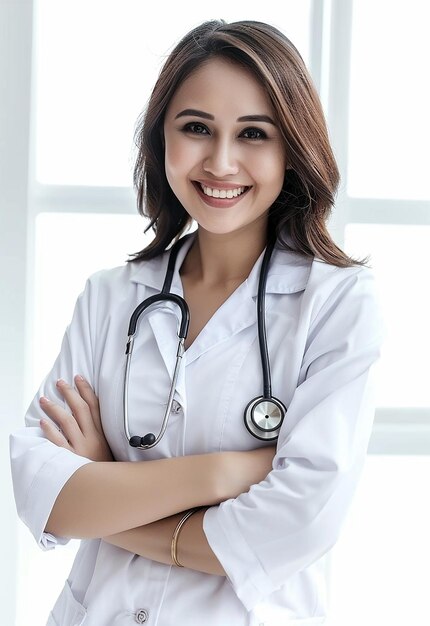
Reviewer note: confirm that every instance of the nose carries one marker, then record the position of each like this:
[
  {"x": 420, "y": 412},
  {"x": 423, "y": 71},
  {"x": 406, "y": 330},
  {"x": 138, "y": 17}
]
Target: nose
[{"x": 221, "y": 159}]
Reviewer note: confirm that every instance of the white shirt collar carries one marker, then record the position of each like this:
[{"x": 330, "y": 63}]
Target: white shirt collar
[{"x": 288, "y": 271}]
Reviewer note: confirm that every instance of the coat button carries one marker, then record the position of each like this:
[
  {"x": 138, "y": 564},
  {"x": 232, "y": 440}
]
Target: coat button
[
  {"x": 176, "y": 407},
  {"x": 141, "y": 616}
]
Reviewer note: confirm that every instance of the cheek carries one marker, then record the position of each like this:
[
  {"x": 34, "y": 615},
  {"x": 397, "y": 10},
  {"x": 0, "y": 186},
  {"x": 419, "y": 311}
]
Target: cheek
[
  {"x": 270, "y": 171},
  {"x": 172, "y": 157},
  {"x": 181, "y": 161},
  {"x": 174, "y": 166},
  {"x": 181, "y": 154},
  {"x": 268, "y": 159}
]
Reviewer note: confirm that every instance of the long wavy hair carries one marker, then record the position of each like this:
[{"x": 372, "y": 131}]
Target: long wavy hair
[{"x": 300, "y": 212}]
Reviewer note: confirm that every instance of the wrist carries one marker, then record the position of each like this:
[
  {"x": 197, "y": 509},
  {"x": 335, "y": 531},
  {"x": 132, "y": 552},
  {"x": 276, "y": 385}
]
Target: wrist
[{"x": 221, "y": 476}]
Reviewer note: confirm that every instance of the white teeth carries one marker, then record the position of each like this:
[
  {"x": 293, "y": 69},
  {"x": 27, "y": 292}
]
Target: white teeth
[{"x": 222, "y": 193}]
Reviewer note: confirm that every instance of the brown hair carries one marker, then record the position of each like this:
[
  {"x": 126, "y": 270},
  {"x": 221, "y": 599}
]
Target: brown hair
[{"x": 306, "y": 199}]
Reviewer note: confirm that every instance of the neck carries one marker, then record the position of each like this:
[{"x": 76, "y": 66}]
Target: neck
[{"x": 219, "y": 259}]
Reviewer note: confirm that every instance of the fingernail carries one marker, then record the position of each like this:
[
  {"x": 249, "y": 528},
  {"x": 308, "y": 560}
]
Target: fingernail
[
  {"x": 60, "y": 382},
  {"x": 79, "y": 377},
  {"x": 43, "y": 400}
]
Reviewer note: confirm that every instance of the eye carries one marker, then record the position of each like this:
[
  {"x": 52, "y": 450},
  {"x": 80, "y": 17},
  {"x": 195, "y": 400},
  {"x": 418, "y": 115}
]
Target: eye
[
  {"x": 195, "y": 128},
  {"x": 253, "y": 133}
]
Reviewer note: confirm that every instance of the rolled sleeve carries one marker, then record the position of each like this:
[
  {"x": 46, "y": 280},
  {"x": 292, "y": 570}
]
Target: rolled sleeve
[
  {"x": 40, "y": 469},
  {"x": 229, "y": 544},
  {"x": 292, "y": 518}
]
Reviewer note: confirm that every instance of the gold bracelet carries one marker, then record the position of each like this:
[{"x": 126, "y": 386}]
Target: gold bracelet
[{"x": 174, "y": 545}]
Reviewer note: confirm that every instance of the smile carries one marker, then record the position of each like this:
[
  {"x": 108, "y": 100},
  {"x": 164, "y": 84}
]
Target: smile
[{"x": 222, "y": 193}]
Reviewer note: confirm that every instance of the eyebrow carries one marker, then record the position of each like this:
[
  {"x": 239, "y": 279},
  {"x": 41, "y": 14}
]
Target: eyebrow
[{"x": 208, "y": 116}]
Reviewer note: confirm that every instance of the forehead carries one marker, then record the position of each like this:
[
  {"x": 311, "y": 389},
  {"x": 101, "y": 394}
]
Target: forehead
[{"x": 220, "y": 86}]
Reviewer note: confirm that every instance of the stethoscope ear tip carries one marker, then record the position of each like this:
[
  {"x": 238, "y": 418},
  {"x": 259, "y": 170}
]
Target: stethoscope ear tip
[
  {"x": 140, "y": 442},
  {"x": 135, "y": 441},
  {"x": 148, "y": 440}
]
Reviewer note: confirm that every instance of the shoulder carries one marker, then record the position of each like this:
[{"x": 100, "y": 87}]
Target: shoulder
[
  {"x": 121, "y": 282},
  {"x": 327, "y": 290},
  {"x": 132, "y": 272},
  {"x": 105, "y": 281},
  {"x": 329, "y": 282},
  {"x": 316, "y": 278},
  {"x": 111, "y": 278},
  {"x": 347, "y": 296}
]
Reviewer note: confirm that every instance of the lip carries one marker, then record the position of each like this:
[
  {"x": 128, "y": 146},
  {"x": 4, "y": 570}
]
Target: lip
[{"x": 219, "y": 203}]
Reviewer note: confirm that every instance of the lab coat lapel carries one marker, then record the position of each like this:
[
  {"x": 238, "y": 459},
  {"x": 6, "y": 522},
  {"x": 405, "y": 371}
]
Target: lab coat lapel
[
  {"x": 233, "y": 316},
  {"x": 164, "y": 324},
  {"x": 164, "y": 317},
  {"x": 288, "y": 273}
]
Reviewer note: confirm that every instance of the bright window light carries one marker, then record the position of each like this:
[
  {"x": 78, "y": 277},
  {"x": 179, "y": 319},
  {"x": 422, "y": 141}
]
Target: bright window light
[
  {"x": 399, "y": 258},
  {"x": 389, "y": 123}
]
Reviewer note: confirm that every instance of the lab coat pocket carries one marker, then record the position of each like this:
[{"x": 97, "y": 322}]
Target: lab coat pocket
[{"x": 67, "y": 610}]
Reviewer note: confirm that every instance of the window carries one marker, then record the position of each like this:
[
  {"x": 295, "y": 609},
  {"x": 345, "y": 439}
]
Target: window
[{"x": 389, "y": 101}]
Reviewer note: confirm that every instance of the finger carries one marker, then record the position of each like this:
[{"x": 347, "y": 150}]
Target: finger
[
  {"x": 52, "y": 433},
  {"x": 80, "y": 409},
  {"x": 86, "y": 392},
  {"x": 67, "y": 423}
]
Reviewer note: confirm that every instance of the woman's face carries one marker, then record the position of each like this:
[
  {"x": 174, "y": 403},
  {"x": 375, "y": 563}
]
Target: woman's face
[{"x": 225, "y": 158}]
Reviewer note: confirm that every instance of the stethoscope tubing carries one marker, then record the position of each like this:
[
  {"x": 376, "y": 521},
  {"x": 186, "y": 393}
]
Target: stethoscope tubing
[
  {"x": 261, "y": 319},
  {"x": 160, "y": 297},
  {"x": 137, "y": 441}
]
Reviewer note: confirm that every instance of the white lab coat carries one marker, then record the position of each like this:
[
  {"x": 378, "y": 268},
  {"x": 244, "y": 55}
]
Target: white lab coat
[{"x": 324, "y": 336}]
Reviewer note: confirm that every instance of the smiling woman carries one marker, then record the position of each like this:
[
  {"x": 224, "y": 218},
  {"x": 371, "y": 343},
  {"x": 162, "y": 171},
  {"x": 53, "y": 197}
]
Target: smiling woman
[
  {"x": 270, "y": 87},
  {"x": 233, "y": 139}
]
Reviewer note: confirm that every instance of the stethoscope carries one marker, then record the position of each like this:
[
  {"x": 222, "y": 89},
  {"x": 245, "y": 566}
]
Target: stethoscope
[{"x": 263, "y": 415}]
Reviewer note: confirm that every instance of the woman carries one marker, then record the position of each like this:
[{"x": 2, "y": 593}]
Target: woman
[{"x": 228, "y": 520}]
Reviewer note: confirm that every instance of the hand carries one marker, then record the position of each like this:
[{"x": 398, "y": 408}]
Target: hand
[{"x": 81, "y": 430}]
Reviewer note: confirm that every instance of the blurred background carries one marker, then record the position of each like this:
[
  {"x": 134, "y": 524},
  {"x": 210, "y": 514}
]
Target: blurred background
[{"x": 74, "y": 76}]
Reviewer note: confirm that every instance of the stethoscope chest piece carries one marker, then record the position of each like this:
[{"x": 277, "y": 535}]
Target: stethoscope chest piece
[{"x": 263, "y": 417}]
